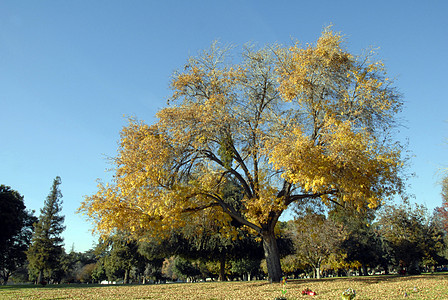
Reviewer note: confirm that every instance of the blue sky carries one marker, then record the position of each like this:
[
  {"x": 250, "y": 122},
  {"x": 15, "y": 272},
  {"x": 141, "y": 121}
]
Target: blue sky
[{"x": 70, "y": 71}]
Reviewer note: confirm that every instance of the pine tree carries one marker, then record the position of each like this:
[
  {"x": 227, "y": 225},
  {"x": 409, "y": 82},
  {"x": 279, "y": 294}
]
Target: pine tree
[{"x": 46, "y": 247}]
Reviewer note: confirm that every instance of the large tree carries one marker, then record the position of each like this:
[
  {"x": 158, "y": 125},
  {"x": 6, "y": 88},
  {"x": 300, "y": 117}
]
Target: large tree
[
  {"x": 45, "y": 252},
  {"x": 16, "y": 225},
  {"x": 287, "y": 123}
]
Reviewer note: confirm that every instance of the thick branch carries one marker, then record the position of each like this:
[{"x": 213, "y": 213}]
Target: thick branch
[
  {"x": 294, "y": 198},
  {"x": 233, "y": 213},
  {"x": 286, "y": 189},
  {"x": 199, "y": 208},
  {"x": 240, "y": 178},
  {"x": 272, "y": 219},
  {"x": 241, "y": 163}
]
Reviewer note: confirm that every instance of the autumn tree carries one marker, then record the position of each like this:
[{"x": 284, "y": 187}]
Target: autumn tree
[
  {"x": 46, "y": 250},
  {"x": 16, "y": 225},
  {"x": 286, "y": 123}
]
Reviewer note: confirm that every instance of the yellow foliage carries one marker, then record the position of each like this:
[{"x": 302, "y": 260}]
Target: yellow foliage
[
  {"x": 283, "y": 123},
  {"x": 352, "y": 164}
]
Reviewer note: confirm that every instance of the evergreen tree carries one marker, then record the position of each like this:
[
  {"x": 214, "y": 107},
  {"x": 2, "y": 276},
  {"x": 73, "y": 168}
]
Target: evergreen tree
[
  {"x": 45, "y": 252},
  {"x": 16, "y": 225}
]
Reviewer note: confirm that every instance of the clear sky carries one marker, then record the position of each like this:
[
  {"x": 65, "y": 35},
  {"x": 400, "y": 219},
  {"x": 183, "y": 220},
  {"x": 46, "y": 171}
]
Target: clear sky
[{"x": 70, "y": 71}]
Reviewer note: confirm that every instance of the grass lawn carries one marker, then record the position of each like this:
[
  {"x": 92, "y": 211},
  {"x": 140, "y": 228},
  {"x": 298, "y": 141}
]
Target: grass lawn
[{"x": 372, "y": 287}]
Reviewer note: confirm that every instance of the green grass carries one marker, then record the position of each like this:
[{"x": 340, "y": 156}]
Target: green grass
[{"x": 372, "y": 287}]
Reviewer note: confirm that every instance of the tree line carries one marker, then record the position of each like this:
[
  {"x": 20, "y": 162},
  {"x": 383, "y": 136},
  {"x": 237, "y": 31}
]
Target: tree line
[{"x": 318, "y": 241}]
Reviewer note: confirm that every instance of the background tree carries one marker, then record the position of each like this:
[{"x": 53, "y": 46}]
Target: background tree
[
  {"x": 292, "y": 265},
  {"x": 363, "y": 243},
  {"x": 412, "y": 235},
  {"x": 185, "y": 270},
  {"x": 155, "y": 251},
  {"x": 99, "y": 272},
  {"x": 206, "y": 241},
  {"x": 315, "y": 237},
  {"x": 46, "y": 249},
  {"x": 246, "y": 268},
  {"x": 74, "y": 266},
  {"x": 85, "y": 274},
  {"x": 118, "y": 256},
  {"x": 442, "y": 211},
  {"x": 203, "y": 239},
  {"x": 441, "y": 218},
  {"x": 287, "y": 124},
  {"x": 16, "y": 225}
]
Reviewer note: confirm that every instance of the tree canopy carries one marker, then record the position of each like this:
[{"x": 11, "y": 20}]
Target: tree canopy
[
  {"x": 315, "y": 238},
  {"x": 287, "y": 124},
  {"x": 17, "y": 226},
  {"x": 413, "y": 235}
]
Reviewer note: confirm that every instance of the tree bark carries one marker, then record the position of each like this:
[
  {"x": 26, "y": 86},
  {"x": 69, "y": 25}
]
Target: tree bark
[
  {"x": 365, "y": 271},
  {"x": 5, "y": 277},
  {"x": 39, "y": 277},
  {"x": 126, "y": 277},
  {"x": 272, "y": 256},
  {"x": 386, "y": 269},
  {"x": 222, "y": 267}
]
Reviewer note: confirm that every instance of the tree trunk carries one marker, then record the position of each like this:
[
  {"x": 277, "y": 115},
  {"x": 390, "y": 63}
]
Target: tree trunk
[
  {"x": 5, "y": 277},
  {"x": 272, "y": 256},
  {"x": 386, "y": 268},
  {"x": 414, "y": 268},
  {"x": 365, "y": 271},
  {"x": 317, "y": 270},
  {"x": 39, "y": 277},
  {"x": 222, "y": 267},
  {"x": 126, "y": 277}
]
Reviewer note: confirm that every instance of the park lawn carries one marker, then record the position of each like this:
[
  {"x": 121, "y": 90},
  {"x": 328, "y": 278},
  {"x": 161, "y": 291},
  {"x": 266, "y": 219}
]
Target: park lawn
[{"x": 372, "y": 287}]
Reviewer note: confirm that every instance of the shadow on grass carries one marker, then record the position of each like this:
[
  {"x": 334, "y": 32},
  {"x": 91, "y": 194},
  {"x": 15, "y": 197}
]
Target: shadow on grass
[
  {"x": 373, "y": 279},
  {"x": 58, "y": 286}
]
